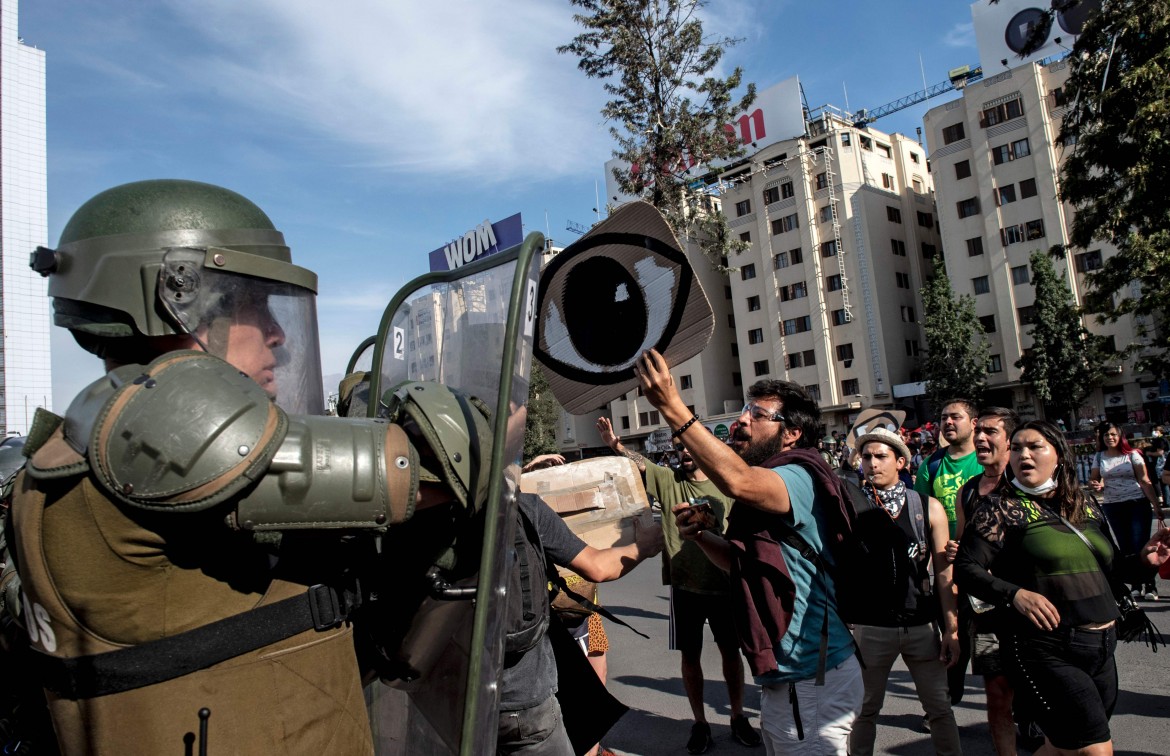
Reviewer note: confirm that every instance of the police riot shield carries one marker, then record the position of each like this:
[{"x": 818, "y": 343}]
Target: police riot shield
[{"x": 440, "y": 624}]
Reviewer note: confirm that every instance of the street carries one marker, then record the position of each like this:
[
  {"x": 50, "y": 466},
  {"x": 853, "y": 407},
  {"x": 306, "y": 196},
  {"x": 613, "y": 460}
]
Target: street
[{"x": 645, "y": 676}]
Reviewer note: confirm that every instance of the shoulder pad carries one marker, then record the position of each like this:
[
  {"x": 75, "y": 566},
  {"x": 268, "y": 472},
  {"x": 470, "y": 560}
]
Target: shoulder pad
[{"x": 187, "y": 433}]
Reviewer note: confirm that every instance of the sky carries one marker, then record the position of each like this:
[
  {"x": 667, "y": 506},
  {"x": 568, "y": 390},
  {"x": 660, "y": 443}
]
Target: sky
[{"x": 373, "y": 131}]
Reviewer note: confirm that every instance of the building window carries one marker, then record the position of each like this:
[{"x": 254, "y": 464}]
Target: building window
[
  {"x": 893, "y": 214},
  {"x": 1005, "y": 111},
  {"x": 780, "y": 260},
  {"x": 685, "y": 382},
  {"x": 850, "y": 387},
  {"x": 1012, "y": 235},
  {"x": 1027, "y": 315},
  {"x": 727, "y": 292},
  {"x": 826, "y": 214},
  {"x": 1028, "y": 188},
  {"x": 963, "y": 169},
  {"x": 761, "y": 367},
  {"x": 814, "y": 392},
  {"x": 885, "y": 150},
  {"x": 771, "y": 194},
  {"x": 968, "y": 207},
  {"x": 898, "y": 247},
  {"x": 833, "y": 283},
  {"x": 731, "y": 320},
  {"x": 888, "y": 181},
  {"x": 929, "y": 250},
  {"x": 1021, "y": 148},
  {"x": 787, "y": 223},
  {"x": 903, "y": 280},
  {"x": 1059, "y": 98},
  {"x": 1020, "y": 275},
  {"x": 797, "y": 325},
  {"x": 988, "y": 323},
  {"x": 1005, "y": 195},
  {"x": 797, "y": 290},
  {"x": 953, "y": 133},
  {"x": 926, "y": 220},
  {"x": 734, "y": 349},
  {"x": 806, "y": 358},
  {"x": 753, "y": 304},
  {"x": 747, "y": 272},
  {"x": 907, "y": 314},
  {"x": 756, "y": 336},
  {"x": 1088, "y": 261},
  {"x": 846, "y": 139},
  {"x": 912, "y": 347},
  {"x": 742, "y": 208},
  {"x": 745, "y": 237},
  {"x": 866, "y": 143},
  {"x": 995, "y": 364},
  {"x": 648, "y": 418},
  {"x": 844, "y": 352},
  {"x": 975, "y": 246},
  {"x": 914, "y": 157},
  {"x": 916, "y": 183},
  {"x": 786, "y": 190},
  {"x": 1007, "y": 152},
  {"x": 829, "y": 248},
  {"x": 822, "y": 180},
  {"x": 839, "y": 317},
  {"x": 625, "y": 422},
  {"x": 736, "y": 379},
  {"x": 981, "y": 285},
  {"x": 1034, "y": 229},
  {"x": 796, "y": 256}
]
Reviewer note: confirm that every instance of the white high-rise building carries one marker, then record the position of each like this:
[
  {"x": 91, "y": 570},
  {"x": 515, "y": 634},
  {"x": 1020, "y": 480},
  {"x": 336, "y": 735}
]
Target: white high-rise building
[{"x": 25, "y": 370}]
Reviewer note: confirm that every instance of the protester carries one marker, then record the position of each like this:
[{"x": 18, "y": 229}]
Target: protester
[
  {"x": 1058, "y": 643},
  {"x": 699, "y": 591},
  {"x": 810, "y": 693},
  {"x": 993, "y": 429},
  {"x": 941, "y": 474},
  {"x": 1127, "y": 496},
  {"x": 903, "y": 533}
]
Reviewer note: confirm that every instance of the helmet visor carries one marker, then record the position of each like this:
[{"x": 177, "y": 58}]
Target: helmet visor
[{"x": 265, "y": 328}]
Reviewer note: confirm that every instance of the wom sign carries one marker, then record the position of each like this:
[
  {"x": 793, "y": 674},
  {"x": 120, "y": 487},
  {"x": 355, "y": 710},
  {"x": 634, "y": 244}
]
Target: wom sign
[{"x": 485, "y": 239}]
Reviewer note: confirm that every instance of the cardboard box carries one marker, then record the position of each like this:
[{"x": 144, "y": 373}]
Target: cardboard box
[{"x": 598, "y": 498}]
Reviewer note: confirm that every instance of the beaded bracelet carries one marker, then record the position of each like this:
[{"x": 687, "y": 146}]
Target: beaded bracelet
[{"x": 683, "y": 429}]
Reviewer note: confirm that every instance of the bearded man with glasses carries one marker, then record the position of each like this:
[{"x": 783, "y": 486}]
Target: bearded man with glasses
[{"x": 784, "y": 602}]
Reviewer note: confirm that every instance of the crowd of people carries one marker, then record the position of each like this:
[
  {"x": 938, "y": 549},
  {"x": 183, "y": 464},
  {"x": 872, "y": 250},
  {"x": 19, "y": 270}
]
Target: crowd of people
[{"x": 995, "y": 555}]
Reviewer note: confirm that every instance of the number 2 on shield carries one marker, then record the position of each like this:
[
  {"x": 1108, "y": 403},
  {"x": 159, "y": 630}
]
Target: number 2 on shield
[{"x": 399, "y": 344}]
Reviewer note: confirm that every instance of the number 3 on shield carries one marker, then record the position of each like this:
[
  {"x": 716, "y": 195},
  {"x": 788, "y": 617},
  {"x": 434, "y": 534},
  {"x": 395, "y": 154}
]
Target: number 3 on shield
[
  {"x": 530, "y": 311},
  {"x": 399, "y": 344}
]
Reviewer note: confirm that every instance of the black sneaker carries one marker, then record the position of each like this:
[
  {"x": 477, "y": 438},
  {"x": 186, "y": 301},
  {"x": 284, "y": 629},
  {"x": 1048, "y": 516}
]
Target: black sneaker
[
  {"x": 743, "y": 732},
  {"x": 700, "y": 738}
]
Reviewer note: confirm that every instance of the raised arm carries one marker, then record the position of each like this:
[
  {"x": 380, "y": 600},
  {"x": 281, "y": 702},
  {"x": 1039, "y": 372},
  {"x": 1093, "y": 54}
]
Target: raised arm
[
  {"x": 757, "y": 487},
  {"x": 605, "y": 428}
]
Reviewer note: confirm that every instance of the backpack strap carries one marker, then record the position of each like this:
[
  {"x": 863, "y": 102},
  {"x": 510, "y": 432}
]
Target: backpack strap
[
  {"x": 933, "y": 464},
  {"x": 559, "y": 584},
  {"x": 916, "y": 506}
]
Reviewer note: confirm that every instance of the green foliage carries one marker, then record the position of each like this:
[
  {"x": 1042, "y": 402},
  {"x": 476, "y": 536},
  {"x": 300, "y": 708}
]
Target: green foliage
[
  {"x": 544, "y": 412},
  {"x": 955, "y": 362},
  {"x": 666, "y": 111},
  {"x": 1119, "y": 93},
  {"x": 1064, "y": 364}
]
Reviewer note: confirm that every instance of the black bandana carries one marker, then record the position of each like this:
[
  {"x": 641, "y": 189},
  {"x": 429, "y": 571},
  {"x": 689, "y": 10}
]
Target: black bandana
[{"x": 890, "y": 499}]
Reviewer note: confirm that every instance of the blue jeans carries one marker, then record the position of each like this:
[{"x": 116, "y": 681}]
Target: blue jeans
[
  {"x": 1066, "y": 680},
  {"x": 1130, "y": 521},
  {"x": 536, "y": 731}
]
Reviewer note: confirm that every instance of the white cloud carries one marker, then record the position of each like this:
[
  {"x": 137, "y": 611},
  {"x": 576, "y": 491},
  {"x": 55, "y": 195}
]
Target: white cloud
[
  {"x": 960, "y": 35},
  {"x": 464, "y": 87}
]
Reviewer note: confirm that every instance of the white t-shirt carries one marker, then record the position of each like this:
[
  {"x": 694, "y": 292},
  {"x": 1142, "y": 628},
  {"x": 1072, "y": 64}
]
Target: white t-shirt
[{"x": 1118, "y": 474}]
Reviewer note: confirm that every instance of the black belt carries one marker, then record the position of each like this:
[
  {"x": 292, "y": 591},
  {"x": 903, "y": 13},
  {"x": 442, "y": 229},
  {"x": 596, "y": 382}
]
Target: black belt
[{"x": 320, "y": 608}]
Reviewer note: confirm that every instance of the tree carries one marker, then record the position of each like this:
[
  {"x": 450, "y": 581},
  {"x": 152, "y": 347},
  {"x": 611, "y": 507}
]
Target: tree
[
  {"x": 544, "y": 412},
  {"x": 667, "y": 112},
  {"x": 955, "y": 362},
  {"x": 1119, "y": 95},
  {"x": 1064, "y": 364}
]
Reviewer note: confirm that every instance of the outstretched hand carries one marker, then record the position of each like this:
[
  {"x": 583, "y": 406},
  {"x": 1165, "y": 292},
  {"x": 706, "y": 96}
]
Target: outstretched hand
[
  {"x": 655, "y": 379},
  {"x": 605, "y": 430},
  {"x": 542, "y": 461}
]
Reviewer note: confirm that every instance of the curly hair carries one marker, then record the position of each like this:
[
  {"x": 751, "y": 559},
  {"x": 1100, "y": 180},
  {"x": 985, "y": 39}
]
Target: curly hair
[{"x": 1071, "y": 499}]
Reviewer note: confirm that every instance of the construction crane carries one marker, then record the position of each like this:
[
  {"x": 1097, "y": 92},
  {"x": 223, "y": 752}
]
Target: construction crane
[
  {"x": 956, "y": 79},
  {"x": 576, "y": 228}
]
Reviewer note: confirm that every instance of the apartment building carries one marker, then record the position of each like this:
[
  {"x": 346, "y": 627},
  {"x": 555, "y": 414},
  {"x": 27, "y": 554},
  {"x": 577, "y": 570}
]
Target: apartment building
[
  {"x": 840, "y": 225},
  {"x": 996, "y": 156}
]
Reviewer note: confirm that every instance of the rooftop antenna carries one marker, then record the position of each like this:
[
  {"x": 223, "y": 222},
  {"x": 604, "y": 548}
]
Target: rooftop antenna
[
  {"x": 597, "y": 200},
  {"x": 846, "y": 90},
  {"x": 922, "y": 69}
]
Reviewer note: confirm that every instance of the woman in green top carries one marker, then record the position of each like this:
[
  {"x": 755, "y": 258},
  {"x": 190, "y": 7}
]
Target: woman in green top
[{"x": 1058, "y": 637}]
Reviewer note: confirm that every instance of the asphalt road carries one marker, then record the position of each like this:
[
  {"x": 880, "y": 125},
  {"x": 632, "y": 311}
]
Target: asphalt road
[{"x": 645, "y": 676}]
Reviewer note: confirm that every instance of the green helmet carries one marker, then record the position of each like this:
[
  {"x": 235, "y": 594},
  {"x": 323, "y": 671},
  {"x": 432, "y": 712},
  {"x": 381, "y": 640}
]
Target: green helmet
[{"x": 182, "y": 258}]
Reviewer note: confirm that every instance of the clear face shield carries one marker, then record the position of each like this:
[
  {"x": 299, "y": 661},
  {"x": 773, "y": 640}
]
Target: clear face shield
[{"x": 267, "y": 328}]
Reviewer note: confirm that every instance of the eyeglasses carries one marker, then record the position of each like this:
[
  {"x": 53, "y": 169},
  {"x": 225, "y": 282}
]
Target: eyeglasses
[{"x": 763, "y": 413}]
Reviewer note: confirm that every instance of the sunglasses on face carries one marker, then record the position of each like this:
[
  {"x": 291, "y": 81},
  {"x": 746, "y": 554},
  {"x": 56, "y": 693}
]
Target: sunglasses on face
[{"x": 763, "y": 413}]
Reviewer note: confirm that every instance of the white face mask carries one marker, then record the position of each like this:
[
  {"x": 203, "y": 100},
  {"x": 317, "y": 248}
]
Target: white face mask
[{"x": 1043, "y": 488}]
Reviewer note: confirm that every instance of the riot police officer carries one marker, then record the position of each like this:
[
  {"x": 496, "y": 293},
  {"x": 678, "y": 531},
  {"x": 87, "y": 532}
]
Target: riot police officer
[{"x": 145, "y": 522}]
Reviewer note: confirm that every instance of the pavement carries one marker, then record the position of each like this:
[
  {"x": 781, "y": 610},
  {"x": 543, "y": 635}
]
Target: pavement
[{"x": 645, "y": 676}]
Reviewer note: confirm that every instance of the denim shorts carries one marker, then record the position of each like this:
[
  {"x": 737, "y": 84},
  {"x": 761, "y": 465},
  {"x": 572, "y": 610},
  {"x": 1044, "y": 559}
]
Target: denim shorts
[{"x": 1066, "y": 680}]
